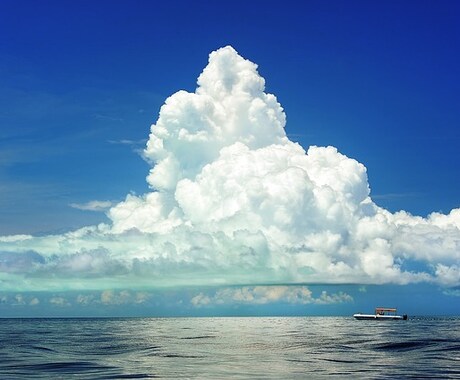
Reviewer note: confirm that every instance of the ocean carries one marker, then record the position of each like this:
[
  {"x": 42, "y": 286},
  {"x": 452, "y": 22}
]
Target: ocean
[{"x": 229, "y": 348}]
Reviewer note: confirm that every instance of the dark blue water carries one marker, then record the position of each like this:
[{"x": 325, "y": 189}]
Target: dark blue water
[{"x": 236, "y": 348}]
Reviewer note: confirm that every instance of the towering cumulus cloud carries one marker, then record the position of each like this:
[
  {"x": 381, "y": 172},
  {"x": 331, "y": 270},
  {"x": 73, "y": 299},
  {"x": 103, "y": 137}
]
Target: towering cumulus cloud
[{"x": 234, "y": 201}]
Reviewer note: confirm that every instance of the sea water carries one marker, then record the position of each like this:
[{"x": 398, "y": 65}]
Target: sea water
[{"x": 229, "y": 348}]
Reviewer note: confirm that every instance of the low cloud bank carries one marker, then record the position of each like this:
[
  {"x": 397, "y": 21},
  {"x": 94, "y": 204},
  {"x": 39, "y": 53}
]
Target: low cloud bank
[
  {"x": 234, "y": 201},
  {"x": 262, "y": 295}
]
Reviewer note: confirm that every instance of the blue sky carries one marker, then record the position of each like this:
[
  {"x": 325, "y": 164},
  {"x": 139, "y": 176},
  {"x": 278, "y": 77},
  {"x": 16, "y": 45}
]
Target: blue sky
[{"x": 81, "y": 83}]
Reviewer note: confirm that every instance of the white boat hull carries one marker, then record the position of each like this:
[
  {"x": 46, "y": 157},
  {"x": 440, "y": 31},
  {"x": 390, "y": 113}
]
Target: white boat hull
[{"x": 379, "y": 317}]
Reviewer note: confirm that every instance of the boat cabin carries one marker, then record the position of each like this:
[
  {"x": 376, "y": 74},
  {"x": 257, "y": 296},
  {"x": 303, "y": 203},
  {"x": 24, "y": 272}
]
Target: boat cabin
[{"x": 385, "y": 311}]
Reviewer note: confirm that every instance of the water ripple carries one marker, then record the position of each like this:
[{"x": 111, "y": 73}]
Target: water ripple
[{"x": 228, "y": 348}]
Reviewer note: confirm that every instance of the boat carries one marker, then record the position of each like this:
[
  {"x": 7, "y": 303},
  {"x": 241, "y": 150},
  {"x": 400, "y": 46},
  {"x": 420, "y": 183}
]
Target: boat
[{"x": 382, "y": 313}]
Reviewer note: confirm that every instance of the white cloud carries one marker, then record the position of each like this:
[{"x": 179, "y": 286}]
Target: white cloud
[
  {"x": 93, "y": 205},
  {"x": 85, "y": 299},
  {"x": 201, "y": 300},
  {"x": 59, "y": 301},
  {"x": 123, "y": 297},
  {"x": 112, "y": 297},
  {"x": 339, "y": 297},
  {"x": 234, "y": 201},
  {"x": 109, "y": 297},
  {"x": 262, "y": 295},
  {"x": 19, "y": 299},
  {"x": 448, "y": 275},
  {"x": 34, "y": 301},
  {"x": 452, "y": 292}
]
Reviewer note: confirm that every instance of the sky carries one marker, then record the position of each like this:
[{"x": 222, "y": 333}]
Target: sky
[{"x": 249, "y": 158}]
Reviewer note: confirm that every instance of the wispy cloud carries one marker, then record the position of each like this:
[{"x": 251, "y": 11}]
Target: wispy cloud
[
  {"x": 396, "y": 195},
  {"x": 452, "y": 292},
  {"x": 19, "y": 191},
  {"x": 134, "y": 143},
  {"x": 137, "y": 146},
  {"x": 93, "y": 205},
  {"x": 109, "y": 118}
]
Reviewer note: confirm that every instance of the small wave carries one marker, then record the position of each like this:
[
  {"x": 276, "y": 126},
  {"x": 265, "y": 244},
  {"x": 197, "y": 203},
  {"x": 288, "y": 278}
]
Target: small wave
[
  {"x": 131, "y": 376},
  {"x": 448, "y": 348},
  {"x": 300, "y": 360},
  {"x": 198, "y": 337},
  {"x": 40, "y": 348},
  {"x": 150, "y": 348},
  {"x": 120, "y": 349},
  {"x": 59, "y": 367},
  {"x": 181, "y": 356},
  {"x": 403, "y": 346},
  {"x": 340, "y": 361}
]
